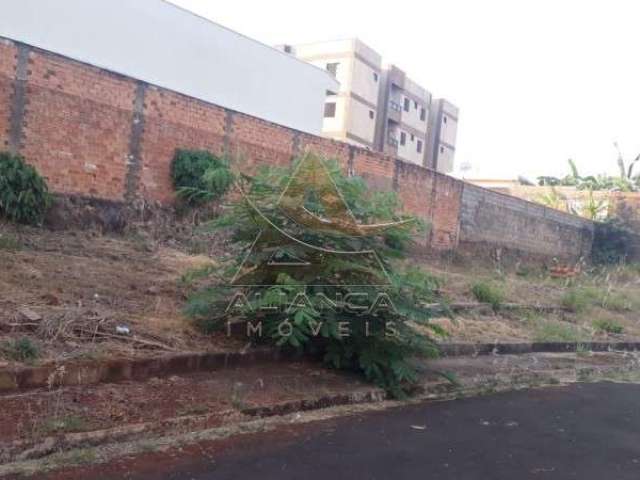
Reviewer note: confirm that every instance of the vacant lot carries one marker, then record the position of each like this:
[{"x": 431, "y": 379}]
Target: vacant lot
[{"x": 68, "y": 292}]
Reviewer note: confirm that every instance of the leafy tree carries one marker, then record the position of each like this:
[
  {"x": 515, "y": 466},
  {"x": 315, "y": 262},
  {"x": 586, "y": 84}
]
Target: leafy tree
[
  {"x": 626, "y": 181},
  {"x": 295, "y": 287}
]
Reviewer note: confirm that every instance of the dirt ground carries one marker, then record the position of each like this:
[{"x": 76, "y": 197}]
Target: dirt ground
[
  {"x": 69, "y": 291},
  {"x": 44, "y": 412}
]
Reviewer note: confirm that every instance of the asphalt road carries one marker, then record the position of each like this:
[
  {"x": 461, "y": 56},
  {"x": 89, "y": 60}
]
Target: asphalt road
[{"x": 589, "y": 431}]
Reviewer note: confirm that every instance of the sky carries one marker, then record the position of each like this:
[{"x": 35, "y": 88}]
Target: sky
[{"x": 536, "y": 81}]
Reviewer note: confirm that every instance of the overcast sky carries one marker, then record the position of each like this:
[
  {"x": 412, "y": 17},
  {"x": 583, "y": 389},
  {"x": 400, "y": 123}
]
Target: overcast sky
[{"x": 537, "y": 81}]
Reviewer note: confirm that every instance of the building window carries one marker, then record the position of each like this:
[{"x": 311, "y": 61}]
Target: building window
[
  {"x": 444, "y": 119},
  {"x": 441, "y": 149},
  {"x": 375, "y": 77},
  {"x": 371, "y": 114},
  {"x": 413, "y": 137},
  {"x": 403, "y": 138},
  {"x": 419, "y": 146},
  {"x": 423, "y": 114},
  {"x": 332, "y": 68},
  {"x": 329, "y": 109},
  {"x": 407, "y": 103},
  {"x": 415, "y": 104}
]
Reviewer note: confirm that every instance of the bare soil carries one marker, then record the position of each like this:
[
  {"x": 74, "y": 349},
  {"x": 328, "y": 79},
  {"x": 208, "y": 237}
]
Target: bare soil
[
  {"x": 78, "y": 283},
  {"x": 45, "y": 412},
  {"x": 90, "y": 281}
]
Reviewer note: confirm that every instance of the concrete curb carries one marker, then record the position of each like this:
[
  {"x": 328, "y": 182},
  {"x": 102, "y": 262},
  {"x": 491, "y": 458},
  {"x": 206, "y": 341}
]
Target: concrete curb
[
  {"x": 240, "y": 420},
  {"x": 111, "y": 371},
  {"x": 474, "y": 349},
  {"x": 28, "y": 450}
]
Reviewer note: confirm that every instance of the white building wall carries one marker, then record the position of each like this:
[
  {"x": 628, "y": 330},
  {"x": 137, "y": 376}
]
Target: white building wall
[
  {"x": 360, "y": 122},
  {"x": 448, "y": 130},
  {"x": 160, "y": 43},
  {"x": 365, "y": 81},
  {"x": 412, "y": 117},
  {"x": 409, "y": 151},
  {"x": 336, "y": 125}
]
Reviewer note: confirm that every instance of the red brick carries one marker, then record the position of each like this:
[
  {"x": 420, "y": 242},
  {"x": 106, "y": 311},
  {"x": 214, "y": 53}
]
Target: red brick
[
  {"x": 77, "y": 126},
  {"x": 8, "y": 53},
  {"x": 174, "y": 121}
]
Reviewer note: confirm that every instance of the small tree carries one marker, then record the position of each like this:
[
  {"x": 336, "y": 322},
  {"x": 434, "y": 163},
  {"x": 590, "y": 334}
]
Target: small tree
[
  {"x": 317, "y": 276},
  {"x": 199, "y": 176},
  {"x": 24, "y": 196}
]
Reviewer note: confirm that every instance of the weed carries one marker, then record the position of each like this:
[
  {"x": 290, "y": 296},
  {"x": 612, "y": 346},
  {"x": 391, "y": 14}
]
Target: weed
[
  {"x": 20, "y": 350},
  {"x": 82, "y": 456},
  {"x": 579, "y": 299},
  {"x": 199, "y": 409},
  {"x": 190, "y": 277},
  {"x": 607, "y": 326},
  {"x": 9, "y": 243},
  {"x": 238, "y": 392},
  {"x": 70, "y": 423},
  {"x": 552, "y": 331},
  {"x": 617, "y": 302},
  {"x": 488, "y": 293}
]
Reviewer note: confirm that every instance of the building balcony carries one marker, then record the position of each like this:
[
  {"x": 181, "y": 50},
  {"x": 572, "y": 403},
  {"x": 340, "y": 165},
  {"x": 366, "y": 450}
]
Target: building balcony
[{"x": 395, "y": 111}]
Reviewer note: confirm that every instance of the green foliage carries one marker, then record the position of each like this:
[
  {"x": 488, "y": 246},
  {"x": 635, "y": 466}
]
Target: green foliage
[
  {"x": 24, "y": 196},
  {"x": 200, "y": 177},
  {"x": 69, "y": 423},
  {"x": 553, "y": 331},
  {"x": 613, "y": 243},
  {"x": 20, "y": 350},
  {"x": 9, "y": 242},
  {"x": 579, "y": 299},
  {"x": 553, "y": 199},
  {"x": 626, "y": 181},
  {"x": 607, "y": 326},
  {"x": 305, "y": 309},
  {"x": 192, "y": 276},
  {"x": 488, "y": 293}
]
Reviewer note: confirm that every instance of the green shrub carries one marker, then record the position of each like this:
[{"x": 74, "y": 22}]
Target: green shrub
[
  {"x": 20, "y": 350},
  {"x": 24, "y": 196},
  {"x": 488, "y": 293},
  {"x": 608, "y": 326},
  {"x": 199, "y": 176},
  {"x": 613, "y": 243},
  {"x": 300, "y": 298}
]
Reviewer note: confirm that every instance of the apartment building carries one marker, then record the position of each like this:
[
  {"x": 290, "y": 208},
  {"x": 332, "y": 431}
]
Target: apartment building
[
  {"x": 402, "y": 128},
  {"x": 443, "y": 120},
  {"x": 380, "y": 107},
  {"x": 351, "y": 112}
]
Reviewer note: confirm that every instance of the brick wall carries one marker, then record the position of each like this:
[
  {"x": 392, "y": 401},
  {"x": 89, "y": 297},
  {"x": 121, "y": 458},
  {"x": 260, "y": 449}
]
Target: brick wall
[
  {"x": 8, "y": 54},
  {"x": 174, "y": 121},
  {"x": 77, "y": 121},
  {"x": 98, "y": 134}
]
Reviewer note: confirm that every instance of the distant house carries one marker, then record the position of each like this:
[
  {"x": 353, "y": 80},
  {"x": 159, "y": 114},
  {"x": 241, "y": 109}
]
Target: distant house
[{"x": 165, "y": 45}]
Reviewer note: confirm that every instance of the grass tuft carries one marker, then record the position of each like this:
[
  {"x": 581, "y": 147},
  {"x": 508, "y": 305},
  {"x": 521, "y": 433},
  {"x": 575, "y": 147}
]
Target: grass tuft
[
  {"x": 488, "y": 293},
  {"x": 607, "y": 326},
  {"x": 20, "y": 350}
]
